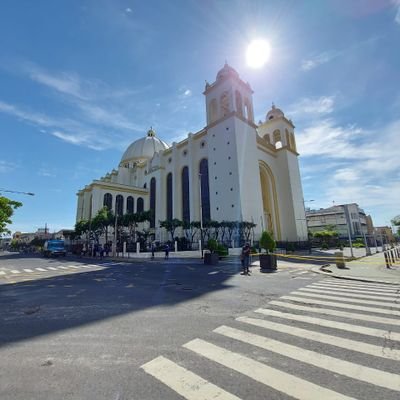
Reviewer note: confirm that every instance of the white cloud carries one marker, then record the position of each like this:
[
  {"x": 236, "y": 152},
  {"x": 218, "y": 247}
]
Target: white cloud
[
  {"x": 396, "y": 4},
  {"x": 188, "y": 92},
  {"x": 317, "y": 60},
  {"x": 46, "y": 173},
  {"x": 6, "y": 166},
  {"x": 128, "y": 10},
  {"x": 320, "y": 105}
]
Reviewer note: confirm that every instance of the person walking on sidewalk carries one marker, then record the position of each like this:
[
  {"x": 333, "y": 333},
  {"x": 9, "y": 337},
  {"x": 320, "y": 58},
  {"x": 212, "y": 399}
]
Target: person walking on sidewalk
[
  {"x": 166, "y": 251},
  {"x": 245, "y": 257}
]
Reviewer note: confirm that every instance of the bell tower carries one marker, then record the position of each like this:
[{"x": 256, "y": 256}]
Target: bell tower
[{"x": 227, "y": 95}]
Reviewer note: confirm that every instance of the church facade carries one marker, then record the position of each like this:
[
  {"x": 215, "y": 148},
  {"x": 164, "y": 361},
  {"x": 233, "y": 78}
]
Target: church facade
[{"x": 231, "y": 170}]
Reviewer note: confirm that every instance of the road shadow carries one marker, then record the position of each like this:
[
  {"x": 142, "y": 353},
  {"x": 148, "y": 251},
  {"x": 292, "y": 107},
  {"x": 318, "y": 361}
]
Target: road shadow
[
  {"x": 47, "y": 305},
  {"x": 316, "y": 258}
]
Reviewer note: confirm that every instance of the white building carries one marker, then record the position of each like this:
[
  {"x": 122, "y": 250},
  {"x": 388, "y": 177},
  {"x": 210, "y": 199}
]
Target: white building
[
  {"x": 345, "y": 218},
  {"x": 243, "y": 170}
]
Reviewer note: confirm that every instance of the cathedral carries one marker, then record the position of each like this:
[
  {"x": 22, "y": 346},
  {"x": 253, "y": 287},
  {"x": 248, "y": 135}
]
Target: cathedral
[{"x": 231, "y": 170}]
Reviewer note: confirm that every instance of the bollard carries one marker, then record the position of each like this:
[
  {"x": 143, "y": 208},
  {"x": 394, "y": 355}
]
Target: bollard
[
  {"x": 137, "y": 247},
  {"x": 339, "y": 260},
  {"x": 124, "y": 249},
  {"x": 176, "y": 246},
  {"x": 387, "y": 261}
]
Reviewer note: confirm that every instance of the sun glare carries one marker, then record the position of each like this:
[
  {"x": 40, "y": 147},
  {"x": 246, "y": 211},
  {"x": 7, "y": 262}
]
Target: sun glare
[{"x": 258, "y": 52}]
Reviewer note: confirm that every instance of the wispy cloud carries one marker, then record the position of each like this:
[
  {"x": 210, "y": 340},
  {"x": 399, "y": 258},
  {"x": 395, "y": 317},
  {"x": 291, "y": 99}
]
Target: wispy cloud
[
  {"x": 46, "y": 172},
  {"x": 6, "y": 166},
  {"x": 396, "y": 4},
  {"x": 314, "y": 105},
  {"x": 318, "y": 59}
]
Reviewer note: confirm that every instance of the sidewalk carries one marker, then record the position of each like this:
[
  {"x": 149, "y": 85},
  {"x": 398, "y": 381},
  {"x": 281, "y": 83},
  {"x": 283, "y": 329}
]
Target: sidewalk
[{"x": 367, "y": 269}]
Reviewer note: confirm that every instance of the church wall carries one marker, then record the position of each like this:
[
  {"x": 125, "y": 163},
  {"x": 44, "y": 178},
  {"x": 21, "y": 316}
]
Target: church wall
[
  {"x": 249, "y": 175},
  {"x": 224, "y": 172}
]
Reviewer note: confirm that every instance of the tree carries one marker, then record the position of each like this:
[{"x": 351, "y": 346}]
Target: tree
[
  {"x": 396, "y": 222},
  {"x": 7, "y": 208},
  {"x": 246, "y": 228},
  {"x": 171, "y": 225},
  {"x": 267, "y": 242},
  {"x": 81, "y": 227},
  {"x": 100, "y": 223}
]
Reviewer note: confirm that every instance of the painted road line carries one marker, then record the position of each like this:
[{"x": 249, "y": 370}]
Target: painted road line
[
  {"x": 73, "y": 266},
  {"x": 380, "y": 333},
  {"x": 348, "y": 294},
  {"x": 352, "y": 370},
  {"x": 341, "y": 305},
  {"x": 337, "y": 313},
  {"x": 2, "y": 273},
  {"x": 41, "y": 269},
  {"x": 348, "y": 344},
  {"x": 360, "y": 283},
  {"x": 52, "y": 268},
  {"x": 335, "y": 298},
  {"x": 301, "y": 272},
  {"x": 186, "y": 383},
  {"x": 61, "y": 267},
  {"x": 350, "y": 290},
  {"x": 28, "y": 270},
  {"x": 283, "y": 382},
  {"x": 15, "y": 271},
  {"x": 355, "y": 284}
]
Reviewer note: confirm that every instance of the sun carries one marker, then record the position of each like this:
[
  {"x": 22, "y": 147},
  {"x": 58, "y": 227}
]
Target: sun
[{"x": 257, "y": 53}]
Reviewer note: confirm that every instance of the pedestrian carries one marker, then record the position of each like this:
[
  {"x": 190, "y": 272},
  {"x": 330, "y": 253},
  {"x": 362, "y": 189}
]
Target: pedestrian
[
  {"x": 245, "y": 258},
  {"x": 101, "y": 251},
  {"x": 152, "y": 250},
  {"x": 166, "y": 251}
]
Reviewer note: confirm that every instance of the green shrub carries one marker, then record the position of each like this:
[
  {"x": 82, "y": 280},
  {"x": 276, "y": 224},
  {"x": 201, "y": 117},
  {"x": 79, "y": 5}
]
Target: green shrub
[
  {"x": 358, "y": 245},
  {"x": 222, "y": 251},
  {"x": 324, "y": 246},
  {"x": 212, "y": 245},
  {"x": 267, "y": 242}
]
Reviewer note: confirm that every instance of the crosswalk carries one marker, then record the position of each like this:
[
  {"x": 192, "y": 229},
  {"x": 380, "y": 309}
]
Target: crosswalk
[
  {"x": 7, "y": 272},
  {"x": 326, "y": 327}
]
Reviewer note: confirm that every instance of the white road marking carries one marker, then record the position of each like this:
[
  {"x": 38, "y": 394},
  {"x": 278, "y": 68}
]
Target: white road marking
[
  {"x": 15, "y": 271},
  {"x": 186, "y": 383},
  {"x": 41, "y": 269},
  {"x": 364, "y": 285},
  {"x": 28, "y": 270},
  {"x": 301, "y": 273},
  {"x": 52, "y": 268},
  {"x": 344, "y": 314},
  {"x": 348, "y": 294},
  {"x": 362, "y": 373},
  {"x": 335, "y": 298},
  {"x": 61, "y": 267},
  {"x": 351, "y": 290},
  {"x": 283, "y": 382},
  {"x": 348, "y": 344},
  {"x": 342, "y": 305},
  {"x": 2, "y": 273},
  {"x": 73, "y": 266},
  {"x": 380, "y": 333}
]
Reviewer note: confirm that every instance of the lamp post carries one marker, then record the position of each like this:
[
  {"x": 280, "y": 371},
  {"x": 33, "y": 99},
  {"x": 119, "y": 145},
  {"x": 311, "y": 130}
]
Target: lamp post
[
  {"x": 201, "y": 218},
  {"x": 305, "y": 216}
]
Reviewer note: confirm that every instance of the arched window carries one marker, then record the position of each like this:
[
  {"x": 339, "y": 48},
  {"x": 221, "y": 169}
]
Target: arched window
[
  {"x": 119, "y": 205},
  {"x": 213, "y": 111},
  {"x": 185, "y": 195},
  {"x": 239, "y": 103},
  {"x": 205, "y": 190},
  {"x": 130, "y": 205},
  {"x": 248, "y": 110},
  {"x": 277, "y": 139},
  {"x": 153, "y": 202},
  {"x": 169, "y": 197},
  {"x": 107, "y": 201},
  {"x": 267, "y": 138},
  {"x": 139, "y": 205},
  {"x": 293, "y": 141},
  {"x": 224, "y": 104}
]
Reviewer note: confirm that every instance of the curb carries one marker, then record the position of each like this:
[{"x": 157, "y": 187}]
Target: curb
[{"x": 319, "y": 270}]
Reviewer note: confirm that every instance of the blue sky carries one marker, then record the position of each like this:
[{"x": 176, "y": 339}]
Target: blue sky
[{"x": 80, "y": 80}]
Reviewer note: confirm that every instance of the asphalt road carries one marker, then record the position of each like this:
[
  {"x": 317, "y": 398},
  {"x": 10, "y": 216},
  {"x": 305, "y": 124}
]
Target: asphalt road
[{"x": 97, "y": 329}]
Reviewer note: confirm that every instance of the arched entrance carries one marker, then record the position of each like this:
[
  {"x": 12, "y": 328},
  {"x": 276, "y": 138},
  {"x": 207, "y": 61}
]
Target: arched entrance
[{"x": 270, "y": 201}]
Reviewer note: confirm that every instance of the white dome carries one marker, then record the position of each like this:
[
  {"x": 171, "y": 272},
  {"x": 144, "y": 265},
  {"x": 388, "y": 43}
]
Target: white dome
[
  {"x": 226, "y": 71},
  {"x": 144, "y": 148},
  {"x": 274, "y": 113}
]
